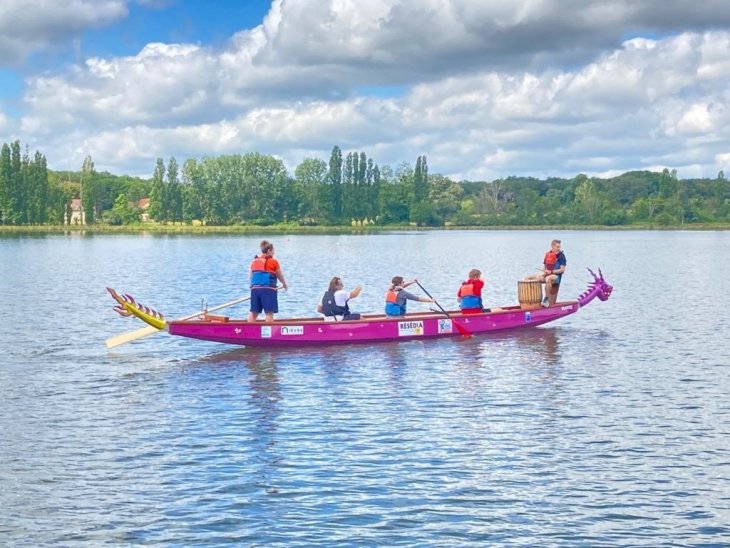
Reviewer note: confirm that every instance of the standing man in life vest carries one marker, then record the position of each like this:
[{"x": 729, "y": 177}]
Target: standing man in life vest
[
  {"x": 264, "y": 273},
  {"x": 553, "y": 268}
]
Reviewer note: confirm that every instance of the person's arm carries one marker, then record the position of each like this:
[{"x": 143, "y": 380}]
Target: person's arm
[
  {"x": 280, "y": 277},
  {"x": 478, "y": 286},
  {"x": 406, "y": 284},
  {"x": 412, "y": 297},
  {"x": 355, "y": 292}
]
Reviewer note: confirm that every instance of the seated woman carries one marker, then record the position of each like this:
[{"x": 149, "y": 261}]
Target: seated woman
[
  {"x": 397, "y": 296},
  {"x": 335, "y": 300},
  {"x": 469, "y": 295}
]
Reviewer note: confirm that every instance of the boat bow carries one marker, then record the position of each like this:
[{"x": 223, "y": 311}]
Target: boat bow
[{"x": 597, "y": 288}]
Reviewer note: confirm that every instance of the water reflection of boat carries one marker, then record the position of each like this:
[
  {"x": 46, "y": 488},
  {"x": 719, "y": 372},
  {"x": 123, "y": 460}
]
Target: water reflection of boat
[{"x": 301, "y": 332}]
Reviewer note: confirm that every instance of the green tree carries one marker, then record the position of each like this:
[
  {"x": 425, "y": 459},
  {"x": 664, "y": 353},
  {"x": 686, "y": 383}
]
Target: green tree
[
  {"x": 174, "y": 192},
  {"x": 5, "y": 188},
  {"x": 311, "y": 180},
  {"x": 335, "y": 180},
  {"x": 16, "y": 183},
  {"x": 420, "y": 181},
  {"x": 88, "y": 191},
  {"x": 123, "y": 212},
  {"x": 159, "y": 208},
  {"x": 588, "y": 201}
]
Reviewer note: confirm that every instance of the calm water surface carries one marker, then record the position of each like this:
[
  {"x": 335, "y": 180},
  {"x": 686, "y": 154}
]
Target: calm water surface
[{"x": 608, "y": 428}]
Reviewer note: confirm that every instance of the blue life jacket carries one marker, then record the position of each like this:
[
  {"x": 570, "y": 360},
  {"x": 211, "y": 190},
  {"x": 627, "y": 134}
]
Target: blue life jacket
[
  {"x": 392, "y": 308},
  {"x": 260, "y": 277}
]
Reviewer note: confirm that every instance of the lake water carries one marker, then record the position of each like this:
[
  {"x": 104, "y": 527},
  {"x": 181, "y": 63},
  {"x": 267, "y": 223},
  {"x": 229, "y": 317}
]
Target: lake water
[{"x": 610, "y": 427}]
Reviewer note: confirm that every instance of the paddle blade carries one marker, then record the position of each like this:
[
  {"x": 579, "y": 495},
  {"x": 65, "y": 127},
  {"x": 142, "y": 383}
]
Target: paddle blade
[
  {"x": 463, "y": 330},
  {"x": 124, "y": 338}
]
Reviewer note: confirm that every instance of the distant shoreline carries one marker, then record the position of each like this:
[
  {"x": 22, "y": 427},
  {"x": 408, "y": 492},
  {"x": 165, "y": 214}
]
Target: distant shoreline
[{"x": 295, "y": 229}]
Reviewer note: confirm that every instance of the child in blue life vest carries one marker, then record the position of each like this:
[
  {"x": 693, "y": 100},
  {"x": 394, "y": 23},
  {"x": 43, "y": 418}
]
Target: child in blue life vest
[
  {"x": 469, "y": 295},
  {"x": 397, "y": 296}
]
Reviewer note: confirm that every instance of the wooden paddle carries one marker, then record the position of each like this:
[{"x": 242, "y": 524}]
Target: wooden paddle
[
  {"x": 124, "y": 338},
  {"x": 463, "y": 330}
]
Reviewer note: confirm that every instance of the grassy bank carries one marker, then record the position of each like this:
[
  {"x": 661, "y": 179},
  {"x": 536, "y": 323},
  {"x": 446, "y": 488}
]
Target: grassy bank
[{"x": 153, "y": 228}]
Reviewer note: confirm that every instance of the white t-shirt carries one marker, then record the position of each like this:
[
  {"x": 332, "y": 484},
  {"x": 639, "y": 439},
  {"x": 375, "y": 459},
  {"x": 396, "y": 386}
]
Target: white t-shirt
[{"x": 341, "y": 298}]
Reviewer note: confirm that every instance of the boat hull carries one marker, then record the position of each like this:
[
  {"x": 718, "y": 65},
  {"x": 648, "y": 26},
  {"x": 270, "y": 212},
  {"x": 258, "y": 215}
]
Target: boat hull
[{"x": 369, "y": 329}]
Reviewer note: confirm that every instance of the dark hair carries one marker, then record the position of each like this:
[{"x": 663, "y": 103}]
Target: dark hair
[
  {"x": 333, "y": 283},
  {"x": 397, "y": 280},
  {"x": 266, "y": 246}
]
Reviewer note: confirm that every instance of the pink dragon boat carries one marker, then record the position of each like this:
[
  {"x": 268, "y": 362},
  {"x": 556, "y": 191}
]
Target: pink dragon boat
[{"x": 297, "y": 332}]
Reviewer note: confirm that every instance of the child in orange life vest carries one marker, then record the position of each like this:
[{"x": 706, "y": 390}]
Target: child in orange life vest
[
  {"x": 469, "y": 295},
  {"x": 397, "y": 296}
]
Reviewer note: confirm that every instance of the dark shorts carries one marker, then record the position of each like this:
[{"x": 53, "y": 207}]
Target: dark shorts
[{"x": 264, "y": 299}]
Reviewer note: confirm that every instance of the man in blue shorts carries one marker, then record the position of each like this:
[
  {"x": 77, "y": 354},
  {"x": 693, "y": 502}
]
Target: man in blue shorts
[{"x": 265, "y": 271}]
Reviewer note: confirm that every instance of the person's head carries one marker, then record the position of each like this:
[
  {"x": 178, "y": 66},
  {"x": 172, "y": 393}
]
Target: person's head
[
  {"x": 555, "y": 245},
  {"x": 475, "y": 274},
  {"x": 397, "y": 280},
  {"x": 336, "y": 284},
  {"x": 267, "y": 248}
]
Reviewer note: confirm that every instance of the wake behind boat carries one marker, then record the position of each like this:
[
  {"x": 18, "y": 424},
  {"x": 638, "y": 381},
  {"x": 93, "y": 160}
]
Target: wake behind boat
[{"x": 373, "y": 328}]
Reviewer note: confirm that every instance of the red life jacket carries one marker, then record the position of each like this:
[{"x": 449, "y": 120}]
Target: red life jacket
[
  {"x": 391, "y": 296},
  {"x": 550, "y": 259}
]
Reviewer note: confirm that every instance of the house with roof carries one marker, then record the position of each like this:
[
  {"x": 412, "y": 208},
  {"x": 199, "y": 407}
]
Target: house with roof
[{"x": 143, "y": 205}]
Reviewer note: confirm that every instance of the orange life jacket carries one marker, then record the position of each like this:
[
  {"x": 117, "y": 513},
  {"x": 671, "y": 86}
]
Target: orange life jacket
[
  {"x": 466, "y": 289},
  {"x": 260, "y": 277},
  {"x": 469, "y": 300},
  {"x": 392, "y": 308},
  {"x": 550, "y": 259}
]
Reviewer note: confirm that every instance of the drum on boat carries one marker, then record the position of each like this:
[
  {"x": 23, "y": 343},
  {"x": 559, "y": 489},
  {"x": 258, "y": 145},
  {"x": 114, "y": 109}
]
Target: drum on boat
[{"x": 529, "y": 294}]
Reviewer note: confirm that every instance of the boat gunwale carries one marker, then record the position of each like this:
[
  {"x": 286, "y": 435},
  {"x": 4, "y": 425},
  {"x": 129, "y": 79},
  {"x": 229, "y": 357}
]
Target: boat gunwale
[{"x": 372, "y": 318}]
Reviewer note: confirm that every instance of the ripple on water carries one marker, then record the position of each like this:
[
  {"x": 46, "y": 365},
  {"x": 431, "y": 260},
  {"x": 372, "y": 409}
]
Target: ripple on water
[{"x": 608, "y": 429}]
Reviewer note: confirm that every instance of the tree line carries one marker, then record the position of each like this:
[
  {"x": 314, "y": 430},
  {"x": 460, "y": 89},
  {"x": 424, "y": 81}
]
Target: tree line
[{"x": 256, "y": 189}]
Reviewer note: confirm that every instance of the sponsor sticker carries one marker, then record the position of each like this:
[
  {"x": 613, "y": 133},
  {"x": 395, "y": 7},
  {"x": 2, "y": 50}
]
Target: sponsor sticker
[
  {"x": 569, "y": 307},
  {"x": 265, "y": 331},
  {"x": 445, "y": 326},
  {"x": 407, "y": 329},
  {"x": 292, "y": 330},
  {"x": 528, "y": 317}
]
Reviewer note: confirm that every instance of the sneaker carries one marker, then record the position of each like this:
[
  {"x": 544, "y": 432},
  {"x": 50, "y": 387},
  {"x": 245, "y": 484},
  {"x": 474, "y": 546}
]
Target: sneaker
[{"x": 545, "y": 302}]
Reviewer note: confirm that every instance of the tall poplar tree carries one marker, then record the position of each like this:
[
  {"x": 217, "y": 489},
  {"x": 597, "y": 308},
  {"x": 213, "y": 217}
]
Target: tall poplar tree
[
  {"x": 15, "y": 183},
  {"x": 158, "y": 199},
  {"x": 174, "y": 192},
  {"x": 88, "y": 190},
  {"x": 5, "y": 185},
  {"x": 335, "y": 179}
]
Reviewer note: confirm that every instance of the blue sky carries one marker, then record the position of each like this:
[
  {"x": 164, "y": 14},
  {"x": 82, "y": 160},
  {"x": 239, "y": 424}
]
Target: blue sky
[{"x": 483, "y": 89}]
